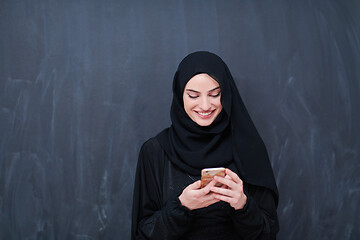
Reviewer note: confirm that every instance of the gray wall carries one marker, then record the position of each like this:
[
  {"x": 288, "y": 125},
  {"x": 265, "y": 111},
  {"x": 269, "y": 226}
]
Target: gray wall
[{"x": 84, "y": 83}]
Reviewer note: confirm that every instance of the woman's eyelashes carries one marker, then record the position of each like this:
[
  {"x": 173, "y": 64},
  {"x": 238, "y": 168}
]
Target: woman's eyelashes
[
  {"x": 214, "y": 95},
  {"x": 193, "y": 96}
]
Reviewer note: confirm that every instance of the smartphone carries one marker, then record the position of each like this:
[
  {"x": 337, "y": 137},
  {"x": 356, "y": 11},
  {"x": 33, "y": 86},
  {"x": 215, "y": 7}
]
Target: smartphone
[{"x": 207, "y": 174}]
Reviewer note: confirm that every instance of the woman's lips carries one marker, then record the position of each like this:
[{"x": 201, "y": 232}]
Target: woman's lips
[{"x": 206, "y": 114}]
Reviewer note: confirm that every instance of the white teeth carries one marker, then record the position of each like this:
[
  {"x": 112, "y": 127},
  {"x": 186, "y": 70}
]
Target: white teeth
[{"x": 204, "y": 114}]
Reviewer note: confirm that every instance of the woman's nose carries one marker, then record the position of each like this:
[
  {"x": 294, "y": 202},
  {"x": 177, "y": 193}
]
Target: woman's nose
[{"x": 205, "y": 104}]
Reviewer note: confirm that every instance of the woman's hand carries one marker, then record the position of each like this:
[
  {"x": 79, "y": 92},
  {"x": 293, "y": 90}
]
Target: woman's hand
[
  {"x": 194, "y": 197},
  {"x": 231, "y": 191}
]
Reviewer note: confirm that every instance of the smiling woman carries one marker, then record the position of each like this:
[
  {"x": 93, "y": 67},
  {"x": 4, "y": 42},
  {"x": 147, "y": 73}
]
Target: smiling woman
[
  {"x": 202, "y": 99},
  {"x": 210, "y": 128}
]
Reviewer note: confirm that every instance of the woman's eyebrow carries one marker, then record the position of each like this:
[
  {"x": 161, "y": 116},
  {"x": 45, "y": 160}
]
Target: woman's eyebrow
[
  {"x": 214, "y": 89},
  {"x": 191, "y": 90}
]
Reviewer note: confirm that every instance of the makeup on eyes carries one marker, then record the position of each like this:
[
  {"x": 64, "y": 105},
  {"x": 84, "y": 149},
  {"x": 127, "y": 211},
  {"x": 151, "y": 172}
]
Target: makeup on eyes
[
  {"x": 191, "y": 96},
  {"x": 216, "y": 94},
  {"x": 196, "y": 94}
]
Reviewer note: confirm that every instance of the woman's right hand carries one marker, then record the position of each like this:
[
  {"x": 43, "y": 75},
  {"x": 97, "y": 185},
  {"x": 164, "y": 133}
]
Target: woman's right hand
[{"x": 194, "y": 197}]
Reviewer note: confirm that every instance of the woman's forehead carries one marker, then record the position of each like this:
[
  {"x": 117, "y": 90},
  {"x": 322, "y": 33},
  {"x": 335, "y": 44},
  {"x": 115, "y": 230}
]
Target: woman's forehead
[{"x": 202, "y": 82}]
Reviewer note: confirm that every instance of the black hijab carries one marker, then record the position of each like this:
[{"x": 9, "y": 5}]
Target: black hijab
[{"x": 231, "y": 138}]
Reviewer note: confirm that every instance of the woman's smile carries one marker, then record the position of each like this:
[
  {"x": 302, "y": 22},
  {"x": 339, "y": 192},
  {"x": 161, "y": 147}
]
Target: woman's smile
[{"x": 205, "y": 114}]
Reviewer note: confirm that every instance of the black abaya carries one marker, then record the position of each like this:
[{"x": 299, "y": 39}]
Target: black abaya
[
  {"x": 158, "y": 214},
  {"x": 174, "y": 159}
]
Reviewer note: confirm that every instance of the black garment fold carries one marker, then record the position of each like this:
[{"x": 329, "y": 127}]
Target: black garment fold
[
  {"x": 158, "y": 213},
  {"x": 232, "y": 137},
  {"x": 173, "y": 159}
]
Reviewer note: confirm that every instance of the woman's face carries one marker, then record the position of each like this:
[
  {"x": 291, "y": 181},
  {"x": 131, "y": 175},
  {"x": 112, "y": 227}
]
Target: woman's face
[{"x": 202, "y": 99}]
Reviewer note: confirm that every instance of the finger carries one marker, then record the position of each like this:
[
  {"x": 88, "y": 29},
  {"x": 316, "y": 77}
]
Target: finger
[
  {"x": 233, "y": 175},
  {"x": 224, "y": 198},
  {"x": 227, "y": 177},
  {"x": 222, "y": 191},
  {"x": 229, "y": 182},
  {"x": 207, "y": 198},
  {"x": 214, "y": 200},
  {"x": 207, "y": 188},
  {"x": 223, "y": 185},
  {"x": 236, "y": 203},
  {"x": 194, "y": 185},
  {"x": 209, "y": 202}
]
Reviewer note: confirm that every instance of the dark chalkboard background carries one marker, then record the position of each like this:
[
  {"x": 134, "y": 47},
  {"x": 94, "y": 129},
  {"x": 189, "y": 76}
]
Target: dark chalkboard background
[{"x": 84, "y": 83}]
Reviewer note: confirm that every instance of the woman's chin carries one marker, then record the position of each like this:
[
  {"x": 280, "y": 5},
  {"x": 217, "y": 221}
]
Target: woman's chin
[{"x": 204, "y": 122}]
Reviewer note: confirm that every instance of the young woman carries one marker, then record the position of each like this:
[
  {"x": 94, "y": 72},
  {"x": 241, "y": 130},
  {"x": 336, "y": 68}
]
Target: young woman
[{"x": 210, "y": 128}]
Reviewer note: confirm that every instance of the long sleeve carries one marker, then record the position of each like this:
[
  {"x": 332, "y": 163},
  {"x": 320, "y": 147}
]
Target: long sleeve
[
  {"x": 151, "y": 219},
  {"x": 258, "y": 219},
  {"x": 158, "y": 213}
]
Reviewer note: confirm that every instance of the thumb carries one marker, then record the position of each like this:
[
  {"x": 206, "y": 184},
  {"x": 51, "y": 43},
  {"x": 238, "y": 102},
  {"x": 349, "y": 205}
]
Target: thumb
[{"x": 195, "y": 185}]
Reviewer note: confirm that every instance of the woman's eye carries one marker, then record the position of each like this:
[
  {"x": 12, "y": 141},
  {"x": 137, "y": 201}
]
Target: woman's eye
[
  {"x": 191, "y": 96},
  {"x": 215, "y": 95}
]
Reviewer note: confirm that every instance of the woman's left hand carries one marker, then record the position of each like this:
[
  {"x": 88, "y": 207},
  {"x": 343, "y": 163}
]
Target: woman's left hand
[{"x": 231, "y": 191}]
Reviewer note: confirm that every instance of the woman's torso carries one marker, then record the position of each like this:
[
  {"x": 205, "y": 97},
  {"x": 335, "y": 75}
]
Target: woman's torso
[{"x": 212, "y": 222}]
